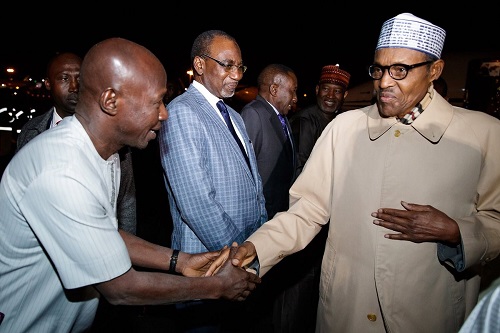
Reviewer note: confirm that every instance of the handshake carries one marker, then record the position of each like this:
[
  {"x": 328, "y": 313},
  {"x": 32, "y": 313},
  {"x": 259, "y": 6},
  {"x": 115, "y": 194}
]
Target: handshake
[{"x": 234, "y": 267}]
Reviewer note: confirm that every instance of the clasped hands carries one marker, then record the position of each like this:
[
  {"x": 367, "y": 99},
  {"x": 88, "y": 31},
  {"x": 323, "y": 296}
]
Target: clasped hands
[{"x": 239, "y": 281}]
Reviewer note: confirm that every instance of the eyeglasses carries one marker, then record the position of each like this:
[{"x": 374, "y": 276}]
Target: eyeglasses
[
  {"x": 396, "y": 71},
  {"x": 228, "y": 68}
]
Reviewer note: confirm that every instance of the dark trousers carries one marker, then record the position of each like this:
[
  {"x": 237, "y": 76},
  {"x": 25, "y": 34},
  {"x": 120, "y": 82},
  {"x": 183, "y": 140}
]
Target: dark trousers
[
  {"x": 295, "y": 307},
  {"x": 222, "y": 316}
]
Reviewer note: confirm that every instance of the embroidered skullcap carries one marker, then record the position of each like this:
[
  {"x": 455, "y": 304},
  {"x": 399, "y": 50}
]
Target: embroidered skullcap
[
  {"x": 411, "y": 32},
  {"x": 333, "y": 74}
]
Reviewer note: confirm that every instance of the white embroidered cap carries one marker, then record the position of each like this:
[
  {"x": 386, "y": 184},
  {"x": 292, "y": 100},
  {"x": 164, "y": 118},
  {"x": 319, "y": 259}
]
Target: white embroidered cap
[{"x": 409, "y": 31}]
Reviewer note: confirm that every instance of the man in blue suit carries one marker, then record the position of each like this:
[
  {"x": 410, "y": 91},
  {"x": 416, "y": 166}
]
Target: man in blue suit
[{"x": 213, "y": 183}]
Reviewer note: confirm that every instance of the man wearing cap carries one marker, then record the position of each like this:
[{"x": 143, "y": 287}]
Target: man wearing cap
[
  {"x": 309, "y": 122},
  {"x": 410, "y": 188}
]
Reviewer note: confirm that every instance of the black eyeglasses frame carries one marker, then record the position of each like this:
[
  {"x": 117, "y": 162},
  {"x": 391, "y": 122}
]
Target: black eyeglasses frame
[
  {"x": 228, "y": 68},
  {"x": 388, "y": 68}
]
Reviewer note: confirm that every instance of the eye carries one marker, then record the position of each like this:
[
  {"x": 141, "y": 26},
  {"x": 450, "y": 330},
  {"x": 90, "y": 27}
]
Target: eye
[{"x": 399, "y": 69}]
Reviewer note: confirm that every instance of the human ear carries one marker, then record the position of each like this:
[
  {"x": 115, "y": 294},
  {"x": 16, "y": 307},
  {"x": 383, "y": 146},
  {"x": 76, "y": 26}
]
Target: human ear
[
  {"x": 107, "y": 101},
  {"x": 437, "y": 69}
]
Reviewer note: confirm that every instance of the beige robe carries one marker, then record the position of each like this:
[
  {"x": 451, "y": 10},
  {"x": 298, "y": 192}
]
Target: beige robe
[{"x": 448, "y": 158}]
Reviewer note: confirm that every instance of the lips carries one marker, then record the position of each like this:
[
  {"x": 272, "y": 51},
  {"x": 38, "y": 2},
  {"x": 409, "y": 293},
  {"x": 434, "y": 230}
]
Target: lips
[
  {"x": 232, "y": 86},
  {"x": 384, "y": 98},
  {"x": 72, "y": 98}
]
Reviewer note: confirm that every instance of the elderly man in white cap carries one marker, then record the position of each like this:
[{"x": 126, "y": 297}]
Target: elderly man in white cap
[{"x": 410, "y": 186}]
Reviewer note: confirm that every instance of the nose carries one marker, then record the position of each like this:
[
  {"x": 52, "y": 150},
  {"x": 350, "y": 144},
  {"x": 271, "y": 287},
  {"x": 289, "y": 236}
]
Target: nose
[
  {"x": 386, "y": 78},
  {"x": 236, "y": 75},
  {"x": 74, "y": 85}
]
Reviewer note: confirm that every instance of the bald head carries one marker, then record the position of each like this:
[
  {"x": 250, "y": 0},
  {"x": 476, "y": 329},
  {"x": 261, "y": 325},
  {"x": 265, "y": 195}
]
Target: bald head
[
  {"x": 278, "y": 85},
  {"x": 122, "y": 85},
  {"x": 117, "y": 62},
  {"x": 273, "y": 74}
]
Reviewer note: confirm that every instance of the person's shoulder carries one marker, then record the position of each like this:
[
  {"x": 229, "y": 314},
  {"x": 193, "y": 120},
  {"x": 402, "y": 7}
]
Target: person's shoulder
[
  {"x": 356, "y": 112},
  {"x": 72, "y": 148},
  {"x": 304, "y": 113},
  {"x": 35, "y": 121},
  {"x": 185, "y": 103},
  {"x": 182, "y": 98},
  {"x": 347, "y": 118},
  {"x": 475, "y": 117},
  {"x": 252, "y": 106},
  {"x": 308, "y": 110}
]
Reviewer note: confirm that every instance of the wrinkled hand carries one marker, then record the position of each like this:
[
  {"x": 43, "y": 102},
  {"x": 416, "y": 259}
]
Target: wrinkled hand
[
  {"x": 245, "y": 255},
  {"x": 198, "y": 264},
  {"x": 237, "y": 282},
  {"x": 418, "y": 223}
]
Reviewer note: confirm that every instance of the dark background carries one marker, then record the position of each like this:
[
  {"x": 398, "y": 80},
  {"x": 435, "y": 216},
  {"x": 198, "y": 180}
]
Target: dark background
[{"x": 305, "y": 37}]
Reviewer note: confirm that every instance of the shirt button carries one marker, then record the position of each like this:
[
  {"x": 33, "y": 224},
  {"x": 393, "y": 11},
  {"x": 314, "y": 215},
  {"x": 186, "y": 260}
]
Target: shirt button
[
  {"x": 397, "y": 133},
  {"x": 372, "y": 317}
]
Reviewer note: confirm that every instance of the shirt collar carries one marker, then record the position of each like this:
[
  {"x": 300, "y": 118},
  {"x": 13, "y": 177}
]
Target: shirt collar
[
  {"x": 211, "y": 98},
  {"x": 431, "y": 124},
  {"x": 55, "y": 118}
]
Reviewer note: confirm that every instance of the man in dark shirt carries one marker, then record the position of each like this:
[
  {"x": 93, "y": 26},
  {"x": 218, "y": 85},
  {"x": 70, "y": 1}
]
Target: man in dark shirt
[
  {"x": 309, "y": 122},
  {"x": 298, "y": 302}
]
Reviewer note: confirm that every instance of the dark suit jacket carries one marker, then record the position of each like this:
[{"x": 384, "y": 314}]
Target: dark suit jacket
[
  {"x": 126, "y": 202},
  {"x": 276, "y": 157}
]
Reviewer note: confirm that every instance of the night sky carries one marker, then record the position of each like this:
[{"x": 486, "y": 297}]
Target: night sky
[{"x": 304, "y": 37}]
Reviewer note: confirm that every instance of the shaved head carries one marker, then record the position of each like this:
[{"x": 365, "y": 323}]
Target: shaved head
[
  {"x": 122, "y": 85},
  {"x": 116, "y": 63}
]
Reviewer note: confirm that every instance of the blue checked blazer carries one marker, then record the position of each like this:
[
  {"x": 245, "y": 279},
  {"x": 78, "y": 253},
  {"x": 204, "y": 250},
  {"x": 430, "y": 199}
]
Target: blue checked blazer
[{"x": 214, "y": 198}]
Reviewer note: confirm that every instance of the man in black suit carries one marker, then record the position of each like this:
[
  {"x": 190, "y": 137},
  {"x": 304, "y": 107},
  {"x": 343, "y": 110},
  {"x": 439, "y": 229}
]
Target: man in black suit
[
  {"x": 268, "y": 128},
  {"x": 272, "y": 139}
]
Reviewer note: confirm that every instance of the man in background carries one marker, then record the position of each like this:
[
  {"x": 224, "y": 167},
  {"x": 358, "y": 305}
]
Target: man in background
[
  {"x": 298, "y": 301},
  {"x": 309, "y": 123},
  {"x": 62, "y": 81},
  {"x": 267, "y": 125},
  {"x": 61, "y": 250},
  {"x": 211, "y": 174}
]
